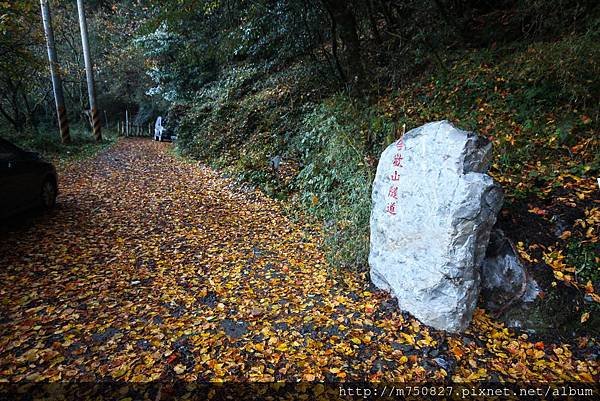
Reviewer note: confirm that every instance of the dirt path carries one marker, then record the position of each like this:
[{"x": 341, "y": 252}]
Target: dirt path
[{"x": 152, "y": 268}]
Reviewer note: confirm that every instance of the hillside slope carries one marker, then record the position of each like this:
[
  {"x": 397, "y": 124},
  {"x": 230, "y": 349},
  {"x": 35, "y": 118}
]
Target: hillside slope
[{"x": 537, "y": 102}]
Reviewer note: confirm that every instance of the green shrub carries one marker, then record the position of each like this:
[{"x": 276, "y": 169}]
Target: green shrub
[{"x": 335, "y": 181}]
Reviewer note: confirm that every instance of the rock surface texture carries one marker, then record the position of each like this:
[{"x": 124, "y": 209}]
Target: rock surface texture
[
  {"x": 505, "y": 282},
  {"x": 432, "y": 212}
]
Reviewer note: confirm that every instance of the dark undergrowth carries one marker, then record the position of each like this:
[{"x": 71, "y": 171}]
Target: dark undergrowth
[{"x": 46, "y": 141}]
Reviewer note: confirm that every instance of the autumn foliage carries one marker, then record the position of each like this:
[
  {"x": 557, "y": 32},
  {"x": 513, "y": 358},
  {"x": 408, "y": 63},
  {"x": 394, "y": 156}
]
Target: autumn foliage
[{"x": 154, "y": 268}]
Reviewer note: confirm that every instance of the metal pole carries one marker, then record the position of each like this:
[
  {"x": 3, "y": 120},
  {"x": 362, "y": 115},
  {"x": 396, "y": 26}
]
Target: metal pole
[
  {"x": 59, "y": 99},
  {"x": 89, "y": 72}
]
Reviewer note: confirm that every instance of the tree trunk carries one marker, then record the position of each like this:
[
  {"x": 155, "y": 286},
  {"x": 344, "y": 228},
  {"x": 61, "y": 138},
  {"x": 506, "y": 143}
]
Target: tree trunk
[
  {"x": 89, "y": 73},
  {"x": 373, "y": 21},
  {"x": 61, "y": 112},
  {"x": 334, "y": 48},
  {"x": 344, "y": 18}
]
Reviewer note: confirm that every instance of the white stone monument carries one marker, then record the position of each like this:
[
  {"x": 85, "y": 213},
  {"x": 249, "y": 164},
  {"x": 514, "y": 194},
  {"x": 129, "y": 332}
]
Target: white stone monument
[{"x": 432, "y": 212}]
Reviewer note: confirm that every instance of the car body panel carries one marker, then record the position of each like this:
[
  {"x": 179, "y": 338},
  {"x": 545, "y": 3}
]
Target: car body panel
[{"x": 22, "y": 174}]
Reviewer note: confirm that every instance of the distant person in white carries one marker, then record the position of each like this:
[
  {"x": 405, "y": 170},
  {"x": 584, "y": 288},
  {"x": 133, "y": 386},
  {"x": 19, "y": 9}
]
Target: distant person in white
[{"x": 158, "y": 129}]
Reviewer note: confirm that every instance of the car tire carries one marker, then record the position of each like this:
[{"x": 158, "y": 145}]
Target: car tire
[{"x": 48, "y": 194}]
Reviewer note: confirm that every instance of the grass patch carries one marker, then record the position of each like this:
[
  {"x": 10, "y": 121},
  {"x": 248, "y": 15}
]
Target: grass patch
[
  {"x": 46, "y": 141},
  {"x": 334, "y": 183}
]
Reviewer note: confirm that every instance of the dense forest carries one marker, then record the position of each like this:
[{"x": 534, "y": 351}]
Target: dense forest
[{"x": 298, "y": 99}]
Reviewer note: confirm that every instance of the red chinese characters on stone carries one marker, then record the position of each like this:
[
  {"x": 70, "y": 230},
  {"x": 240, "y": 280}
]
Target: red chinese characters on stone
[
  {"x": 397, "y": 160},
  {"x": 391, "y": 207}
]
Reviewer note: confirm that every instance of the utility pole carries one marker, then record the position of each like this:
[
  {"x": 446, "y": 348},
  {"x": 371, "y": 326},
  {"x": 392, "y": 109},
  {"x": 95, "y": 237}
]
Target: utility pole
[
  {"x": 89, "y": 72},
  {"x": 59, "y": 99}
]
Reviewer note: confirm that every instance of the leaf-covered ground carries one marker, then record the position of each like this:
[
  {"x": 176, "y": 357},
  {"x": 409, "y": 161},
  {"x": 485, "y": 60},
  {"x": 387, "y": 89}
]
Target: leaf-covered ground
[{"x": 154, "y": 268}]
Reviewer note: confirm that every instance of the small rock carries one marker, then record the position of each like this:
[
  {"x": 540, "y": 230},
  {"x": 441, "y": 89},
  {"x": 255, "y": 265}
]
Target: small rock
[
  {"x": 105, "y": 335},
  {"x": 504, "y": 279},
  {"x": 256, "y": 312},
  {"x": 281, "y": 326},
  {"x": 234, "y": 329},
  {"x": 210, "y": 299},
  {"x": 441, "y": 362},
  {"x": 275, "y": 162}
]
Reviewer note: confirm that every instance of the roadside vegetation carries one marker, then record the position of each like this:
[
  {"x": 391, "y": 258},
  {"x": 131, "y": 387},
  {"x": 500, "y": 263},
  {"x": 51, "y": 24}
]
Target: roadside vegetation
[
  {"x": 535, "y": 96},
  {"x": 46, "y": 142},
  {"x": 300, "y": 98}
]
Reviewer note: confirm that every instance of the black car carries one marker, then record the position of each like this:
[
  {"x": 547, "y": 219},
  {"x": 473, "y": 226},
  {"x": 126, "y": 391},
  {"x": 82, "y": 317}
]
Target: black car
[{"x": 26, "y": 180}]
